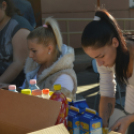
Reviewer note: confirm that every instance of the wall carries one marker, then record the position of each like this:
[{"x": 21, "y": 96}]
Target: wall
[{"x": 84, "y": 9}]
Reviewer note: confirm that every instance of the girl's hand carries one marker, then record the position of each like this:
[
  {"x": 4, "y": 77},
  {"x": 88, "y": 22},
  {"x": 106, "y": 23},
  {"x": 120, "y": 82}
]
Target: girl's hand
[{"x": 122, "y": 124}]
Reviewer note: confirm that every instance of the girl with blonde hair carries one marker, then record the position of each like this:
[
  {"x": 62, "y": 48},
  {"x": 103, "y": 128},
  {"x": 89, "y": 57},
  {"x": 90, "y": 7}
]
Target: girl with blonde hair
[{"x": 50, "y": 61}]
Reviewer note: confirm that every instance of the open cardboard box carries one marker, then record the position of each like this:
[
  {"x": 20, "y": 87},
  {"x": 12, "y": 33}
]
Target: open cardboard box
[
  {"x": 57, "y": 129},
  {"x": 113, "y": 132},
  {"x": 21, "y": 114}
]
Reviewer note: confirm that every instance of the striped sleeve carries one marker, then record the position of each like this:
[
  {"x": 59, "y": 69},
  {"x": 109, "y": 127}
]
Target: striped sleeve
[{"x": 107, "y": 81}]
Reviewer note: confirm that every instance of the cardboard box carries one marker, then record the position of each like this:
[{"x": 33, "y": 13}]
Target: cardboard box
[
  {"x": 58, "y": 129},
  {"x": 113, "y": 132},
  {"x": 20, "y": 114}
]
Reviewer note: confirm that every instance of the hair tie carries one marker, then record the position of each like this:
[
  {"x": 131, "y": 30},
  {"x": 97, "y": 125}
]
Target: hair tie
[
  {"x": 45, "y": 26},
  {"x": 96, "y": 18}
]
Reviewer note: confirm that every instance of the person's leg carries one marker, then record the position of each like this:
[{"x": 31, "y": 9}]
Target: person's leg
[{"x": 115, "y": 116}]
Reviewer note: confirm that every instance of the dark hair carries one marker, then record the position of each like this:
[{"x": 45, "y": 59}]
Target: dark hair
[
  {"x": 10, "y": 10},
  {"x": 49, "y": 32},
  {"x": 99, "y": 33}
]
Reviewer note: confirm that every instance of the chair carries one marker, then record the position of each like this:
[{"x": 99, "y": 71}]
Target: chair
[
  {"x": 96, "y": 71},
  {"x": 119, "y": 90}
]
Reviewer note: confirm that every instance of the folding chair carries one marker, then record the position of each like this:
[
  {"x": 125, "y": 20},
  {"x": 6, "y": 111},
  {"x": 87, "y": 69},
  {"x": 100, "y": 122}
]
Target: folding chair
[{"x": 96, "y": 71}]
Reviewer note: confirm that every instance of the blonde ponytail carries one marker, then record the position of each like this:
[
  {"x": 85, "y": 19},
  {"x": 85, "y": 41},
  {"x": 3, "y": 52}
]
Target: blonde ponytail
[{"x": 56, "y": 30}]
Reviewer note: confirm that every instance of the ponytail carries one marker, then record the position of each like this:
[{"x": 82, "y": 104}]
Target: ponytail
[
  {"x": 55, "y": 27},
  {"x": 48, "y": 32}
]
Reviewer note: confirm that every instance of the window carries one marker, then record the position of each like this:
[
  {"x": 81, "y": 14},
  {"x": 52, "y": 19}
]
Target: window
[{"x": 131, "y": 3}]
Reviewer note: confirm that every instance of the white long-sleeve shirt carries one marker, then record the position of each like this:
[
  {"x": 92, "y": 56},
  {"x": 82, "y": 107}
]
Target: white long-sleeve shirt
[{"x": 108, "y": 86}]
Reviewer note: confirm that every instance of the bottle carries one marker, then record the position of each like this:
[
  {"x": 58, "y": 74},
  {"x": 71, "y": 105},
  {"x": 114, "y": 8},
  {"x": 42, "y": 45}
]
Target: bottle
[
  {"x": 33, "y": 84},
  {"x": 45, "y": 93},
  {"x": 105, "y": 130},
  {"x": 26, "y": 91},
  {"x": 37, "y": 93},
  {"x": 12, "y": 88},
  {"x": 50, "y": 93},
  {"x": 59, "y": 96}
]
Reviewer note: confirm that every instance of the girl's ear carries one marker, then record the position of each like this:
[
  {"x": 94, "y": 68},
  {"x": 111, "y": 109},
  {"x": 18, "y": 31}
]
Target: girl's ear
[
  {"x": 115, "y": 42},
  {"x": 50, "y": 48}
]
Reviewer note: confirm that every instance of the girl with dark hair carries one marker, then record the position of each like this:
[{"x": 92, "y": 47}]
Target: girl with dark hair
[
  {"x": 14, "y": 30},
  {"x": 103, "y": 40},
  {"x": 26, "y": 12}
]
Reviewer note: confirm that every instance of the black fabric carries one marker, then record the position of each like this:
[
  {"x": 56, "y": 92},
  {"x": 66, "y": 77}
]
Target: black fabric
[
  {"x": 17, "y": 28},
  {"x": 131, "y": 128},
  {"x": 23, "y": 23},
  {"x": 19, "y": 80}
]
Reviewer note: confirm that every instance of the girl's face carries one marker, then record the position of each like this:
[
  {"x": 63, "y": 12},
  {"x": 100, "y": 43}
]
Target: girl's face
[
  {"x": 39, "y": 52},
  {"x": 105, "y": 56}
]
